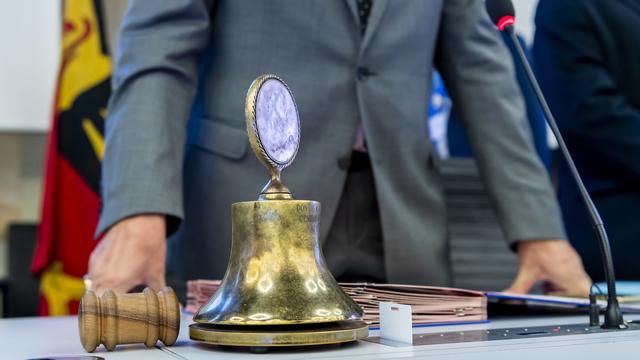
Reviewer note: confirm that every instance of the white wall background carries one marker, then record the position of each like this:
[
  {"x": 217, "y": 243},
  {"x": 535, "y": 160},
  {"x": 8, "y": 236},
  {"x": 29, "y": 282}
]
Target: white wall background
[
  {"x": 525, "y": 13},
  {"x": 29, "y": 56}
]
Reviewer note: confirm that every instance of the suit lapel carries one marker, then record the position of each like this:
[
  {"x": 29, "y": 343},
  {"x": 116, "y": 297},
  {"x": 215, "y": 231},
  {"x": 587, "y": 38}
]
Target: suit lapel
[
  {"x": 374, "y": 20},
  {"x": 353, "y": 9}
]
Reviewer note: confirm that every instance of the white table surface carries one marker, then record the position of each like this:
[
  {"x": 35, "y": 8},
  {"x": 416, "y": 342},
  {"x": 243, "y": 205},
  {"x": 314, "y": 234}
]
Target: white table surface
[{"x": 23, "y": 338}]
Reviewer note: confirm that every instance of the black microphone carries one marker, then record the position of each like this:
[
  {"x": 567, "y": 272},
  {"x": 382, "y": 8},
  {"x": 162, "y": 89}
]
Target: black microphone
[{"x": 503, "y": 16}]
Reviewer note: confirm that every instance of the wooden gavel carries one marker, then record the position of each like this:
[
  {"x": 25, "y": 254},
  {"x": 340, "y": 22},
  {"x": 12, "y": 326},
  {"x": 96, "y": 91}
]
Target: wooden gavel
[{"x": 114, "y": 319}]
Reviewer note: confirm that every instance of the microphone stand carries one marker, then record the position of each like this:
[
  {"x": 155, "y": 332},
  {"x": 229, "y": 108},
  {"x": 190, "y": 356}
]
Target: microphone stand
[{"x": 613, "y": 316}]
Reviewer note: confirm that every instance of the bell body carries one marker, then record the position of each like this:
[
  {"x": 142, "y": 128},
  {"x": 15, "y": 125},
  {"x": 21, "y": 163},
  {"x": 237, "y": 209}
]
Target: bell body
[{"x": 276, "y": 273}]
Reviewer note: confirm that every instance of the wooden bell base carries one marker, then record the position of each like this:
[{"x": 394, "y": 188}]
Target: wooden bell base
[{"x": 279, "y": 335}]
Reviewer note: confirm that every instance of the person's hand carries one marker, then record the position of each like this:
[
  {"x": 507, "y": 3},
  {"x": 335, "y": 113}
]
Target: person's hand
[
  {"x": 554, "y": 262},
  {"x": 132, "y": 253}
]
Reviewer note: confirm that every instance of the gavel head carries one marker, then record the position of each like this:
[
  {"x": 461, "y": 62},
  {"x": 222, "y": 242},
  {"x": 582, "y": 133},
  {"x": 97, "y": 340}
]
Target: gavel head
[{"x": 114, "y": 319}]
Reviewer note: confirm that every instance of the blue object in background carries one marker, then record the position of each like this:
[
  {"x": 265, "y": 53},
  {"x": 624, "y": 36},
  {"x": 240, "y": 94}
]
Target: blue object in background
[
  {"x": 438, "y": 114},
  {"x": 623, "y": 288}
]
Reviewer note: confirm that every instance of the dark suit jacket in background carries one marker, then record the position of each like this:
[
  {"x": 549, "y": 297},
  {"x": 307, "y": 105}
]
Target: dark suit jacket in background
[
  {"x": 587, "y": 55},
  {"x": 178, "y": 57}
]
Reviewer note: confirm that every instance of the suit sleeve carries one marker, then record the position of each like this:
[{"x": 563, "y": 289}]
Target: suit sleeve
[
  {"x": 592, "y": 111},
  {"x": 154, "y": 87},
  {"x": 479, "y": 74}
]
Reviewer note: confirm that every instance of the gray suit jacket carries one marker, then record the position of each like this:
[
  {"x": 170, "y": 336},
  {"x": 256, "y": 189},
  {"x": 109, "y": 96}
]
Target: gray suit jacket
[{"x": 198, "y": 57}]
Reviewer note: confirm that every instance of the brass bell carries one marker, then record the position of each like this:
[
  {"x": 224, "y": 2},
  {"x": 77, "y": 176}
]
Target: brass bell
[{"x": 277, "y": 290}]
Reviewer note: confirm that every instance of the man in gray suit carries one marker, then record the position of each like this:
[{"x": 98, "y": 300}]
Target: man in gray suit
[{"x": 361, "y": 74}]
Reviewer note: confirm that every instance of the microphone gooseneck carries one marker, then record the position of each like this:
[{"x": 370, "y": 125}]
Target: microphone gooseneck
[{"x": 503, "y": 16}]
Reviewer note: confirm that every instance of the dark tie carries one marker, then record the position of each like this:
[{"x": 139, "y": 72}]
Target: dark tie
[{"x": 364, "y": 9}]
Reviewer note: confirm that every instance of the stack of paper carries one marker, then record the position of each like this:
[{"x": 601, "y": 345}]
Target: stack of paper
[
  {"x": 429, "y": 305},
  {"x": 199, "y": 292}
]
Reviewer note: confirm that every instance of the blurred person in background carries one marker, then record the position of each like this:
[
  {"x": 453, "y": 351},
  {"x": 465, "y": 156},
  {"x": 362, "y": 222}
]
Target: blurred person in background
[
  {"x": 361, "y": 74},
  {"x": 587, "y": 57}
]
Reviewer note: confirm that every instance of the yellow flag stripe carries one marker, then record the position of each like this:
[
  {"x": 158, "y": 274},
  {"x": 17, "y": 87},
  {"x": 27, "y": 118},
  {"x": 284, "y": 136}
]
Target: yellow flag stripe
[{"x": 84, "y": 63}]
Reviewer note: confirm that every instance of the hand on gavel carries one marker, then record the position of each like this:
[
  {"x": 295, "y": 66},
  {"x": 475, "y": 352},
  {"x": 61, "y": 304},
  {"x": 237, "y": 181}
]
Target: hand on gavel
[{"x": 132, "y": 253}]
